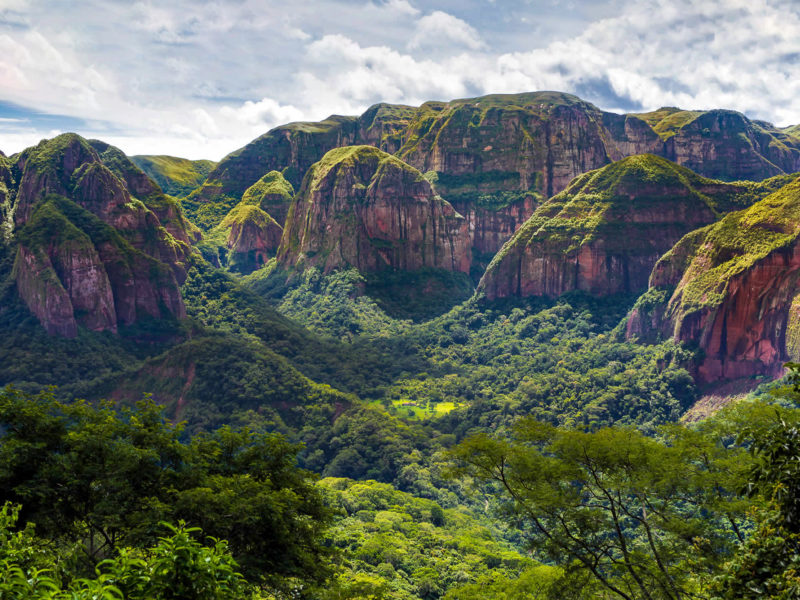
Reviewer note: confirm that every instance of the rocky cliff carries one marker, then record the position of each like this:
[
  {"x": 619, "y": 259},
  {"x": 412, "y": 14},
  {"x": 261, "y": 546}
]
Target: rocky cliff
[
  {"x": 90, "y": 251},
  {"x": 272, "y": 194},
  {"x": 291, "y": 149},
  {"x": 365, "y": 208},
  {"x": 249, "y": 235},
  {"x": 731, "y": 288},
  {"x": 495, "y": 157},
  {"x": 604, "y": 233}
]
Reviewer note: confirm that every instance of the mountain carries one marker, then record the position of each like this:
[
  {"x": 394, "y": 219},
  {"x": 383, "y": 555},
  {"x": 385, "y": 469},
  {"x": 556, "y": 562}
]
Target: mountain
[
  {"x": 250, "y": 233},
  {"x": 496, "y": 157},
  {"x": 98, "y": 243},
  {"x": 604, "y": 233},
  {"x": 175, "y": 176},
  {"x": 731, "y": 288},
  {"x": 362, "y": 207}
]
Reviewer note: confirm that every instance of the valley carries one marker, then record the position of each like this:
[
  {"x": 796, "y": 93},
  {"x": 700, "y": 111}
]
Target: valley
[{"x": 391, "y": 309}]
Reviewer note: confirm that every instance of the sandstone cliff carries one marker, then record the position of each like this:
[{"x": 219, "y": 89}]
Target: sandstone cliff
[
  {"x": 495, "y": 157},
  {"x": 249, "y": 235},
  {"x": 291, "y": 149},
  {"x": 731, "y": 289},
  {"x": 604, "y": 233},
  {"x": 364, "y": 208},
  {"x": 89, "y": 249}
]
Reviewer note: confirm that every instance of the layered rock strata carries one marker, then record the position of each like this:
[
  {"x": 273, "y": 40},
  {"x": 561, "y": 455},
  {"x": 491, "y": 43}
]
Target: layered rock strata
[{"x": 365, "y": 208}]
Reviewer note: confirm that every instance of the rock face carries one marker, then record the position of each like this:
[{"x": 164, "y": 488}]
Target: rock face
[
  {"x": 272, "y": 194},
  {"x": 90, "y": 249},
  {"x": 250, "y": 237},
  {"x": 291, "y": 149},
  {"x": 362, "y": 207},
  {"x": 494, "y": 158},
  {"x": 732, "y": 289},
  {"x": 604, "y": 233}
]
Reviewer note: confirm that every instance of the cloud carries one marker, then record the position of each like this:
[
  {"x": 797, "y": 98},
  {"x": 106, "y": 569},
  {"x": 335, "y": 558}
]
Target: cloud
[
  {"x": 235, "y": 68},
  {"x": 265, "y": 113},
  {"x": 442, "y": 29}
]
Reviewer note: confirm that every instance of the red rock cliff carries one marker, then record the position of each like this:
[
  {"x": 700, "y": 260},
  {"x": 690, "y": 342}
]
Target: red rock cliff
[{"x": 362, "y": 207}]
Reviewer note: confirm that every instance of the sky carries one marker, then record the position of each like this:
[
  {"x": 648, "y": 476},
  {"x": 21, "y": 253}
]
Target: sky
[{"x": 200, "y": 79}]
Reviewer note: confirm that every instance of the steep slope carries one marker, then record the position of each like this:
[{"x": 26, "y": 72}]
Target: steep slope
[
  {"x": 89, "y": 252},
  {"x": 364, "y": 208},
  {"x": 178, "y": 177},
  {"x": 731, "y": 288},
  {"x": 725, "y": 144},
  {"x": 272, "y": 194},
  {"x": 244, "y": 241},
  {"x": 495, "y": 158},
  {"x": 291, "y": 149},
  {"x": 604, "y": 233},
  {"x": 249, "y": 234}
]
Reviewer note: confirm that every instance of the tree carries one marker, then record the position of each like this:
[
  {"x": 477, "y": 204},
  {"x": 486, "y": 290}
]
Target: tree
[
  {"x": 646, "y": 518},
  {"x": 768, "y": 564},
  {"x": 105, "y": 479},
  {"x": 177, "y": 567}
]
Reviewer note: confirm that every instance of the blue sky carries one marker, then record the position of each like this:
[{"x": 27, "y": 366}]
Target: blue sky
[{"x": 200, "y": 79}]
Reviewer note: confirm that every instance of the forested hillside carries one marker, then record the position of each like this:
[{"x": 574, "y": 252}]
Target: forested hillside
[{"x": 443, "y": 351}]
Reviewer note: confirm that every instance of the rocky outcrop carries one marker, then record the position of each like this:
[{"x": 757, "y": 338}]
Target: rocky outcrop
[
  {"x": 364, "y": 208},
  {"x": 90, "y": 251},
  {"x": 252, "y": 237},
  {"x": 139, "y": 185},
  {"x": 488, "y": 154},
  {"x": 731, "y": 290},
  {"x": 291, "y": 149},
  {"x": 272, "y": 194},
  {"x": 605, "y": 232}
]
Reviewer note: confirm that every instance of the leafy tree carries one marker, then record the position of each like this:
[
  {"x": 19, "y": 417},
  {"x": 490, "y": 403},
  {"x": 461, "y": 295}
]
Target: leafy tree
[
  {"x": 177, "y": 567},
  {"x": 768, "y": 565},
  {"x": 106, "y": 479},
  {"x": 646, "y": 518}
]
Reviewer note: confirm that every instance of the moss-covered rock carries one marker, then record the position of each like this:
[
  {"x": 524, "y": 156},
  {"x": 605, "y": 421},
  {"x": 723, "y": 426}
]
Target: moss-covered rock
[
  {"x": 362, "y": 207},
  {"x": 604, "y": 233},
  {"x": 731, "y": 289},
  {"x": 272, "y": 194},
  {"x": 290, "y": 149},
  {"x": 90, "y": 249}
]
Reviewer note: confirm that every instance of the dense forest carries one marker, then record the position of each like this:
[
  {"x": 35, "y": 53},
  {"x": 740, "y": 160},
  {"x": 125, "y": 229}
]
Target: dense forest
[{"x": 332, "y": 366}]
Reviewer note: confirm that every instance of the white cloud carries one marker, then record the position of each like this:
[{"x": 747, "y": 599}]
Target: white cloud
[
  {"x": 265, "y": 113},
  {"x": 442, "y": 29},
  {"x": 234, "y": 69}
]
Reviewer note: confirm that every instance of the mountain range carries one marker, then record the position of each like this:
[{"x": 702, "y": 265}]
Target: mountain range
[{"x": 505, "y": 198}]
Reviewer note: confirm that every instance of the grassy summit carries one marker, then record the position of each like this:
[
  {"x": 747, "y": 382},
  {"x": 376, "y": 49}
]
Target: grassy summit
[
  {"x": 176, "y": 176},
  {"x": 711, "y": 257}
]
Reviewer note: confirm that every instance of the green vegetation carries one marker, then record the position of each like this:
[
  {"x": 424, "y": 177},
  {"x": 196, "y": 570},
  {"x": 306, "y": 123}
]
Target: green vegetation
[
  {"x": 268, "y": 191},
  {"x": 176, "y": 176},
  {"x": 395, "y": 545},
  {"x": 667, "y": 121},
  {"x": 205, "y": 212},
  {"x": 176, "y": 567},
  {"x": 716, "y": 254},
  {"x": 96, "y": 481}
]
